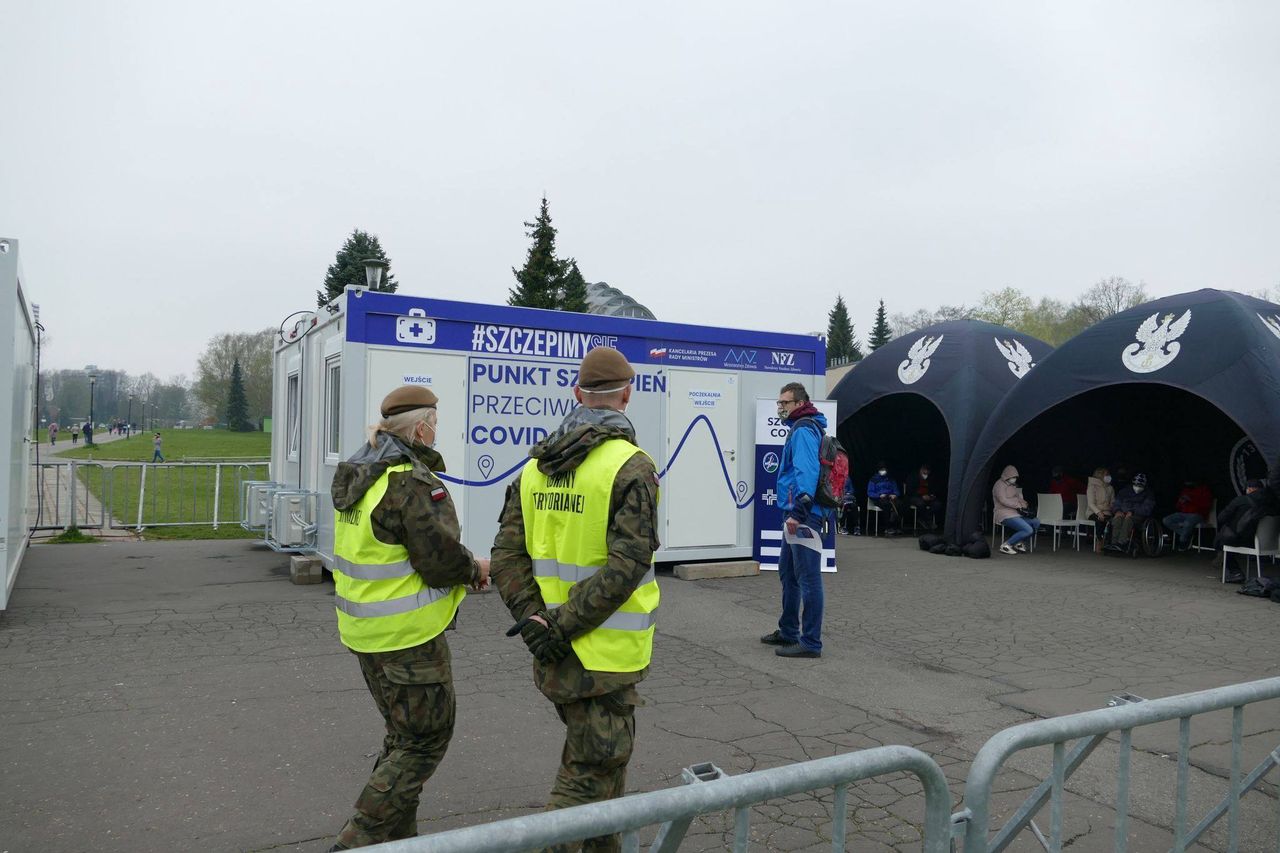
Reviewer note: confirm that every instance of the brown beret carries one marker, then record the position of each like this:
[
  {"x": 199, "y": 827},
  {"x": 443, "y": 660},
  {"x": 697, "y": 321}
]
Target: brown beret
[
  {"x": 406, "y": 398},
  {"x": 604, "y": 368}
]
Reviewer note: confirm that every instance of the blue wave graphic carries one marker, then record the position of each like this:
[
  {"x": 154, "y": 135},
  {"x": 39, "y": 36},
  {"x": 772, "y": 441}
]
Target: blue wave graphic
[{"x": 715, "y": 439}]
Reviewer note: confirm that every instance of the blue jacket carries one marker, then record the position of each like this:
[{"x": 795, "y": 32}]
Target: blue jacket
[
  {"x": 1127, "y": 500},
  {"x": 880, "y": 487},
  {"x": 798, "y": 474}
]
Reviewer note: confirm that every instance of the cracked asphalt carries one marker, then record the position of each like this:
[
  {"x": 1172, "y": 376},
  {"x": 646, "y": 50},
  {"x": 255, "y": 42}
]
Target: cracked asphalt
[{"x": 185, "y": 696}]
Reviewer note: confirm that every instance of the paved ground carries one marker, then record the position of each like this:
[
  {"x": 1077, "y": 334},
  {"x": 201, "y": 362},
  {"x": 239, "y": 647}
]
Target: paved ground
[{"x": 184, "y": 695}]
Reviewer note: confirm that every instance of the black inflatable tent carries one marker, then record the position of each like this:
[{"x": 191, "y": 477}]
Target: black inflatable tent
[
  {"x": 923, "y": 399},
  {"x": 1185, "y": 386}
]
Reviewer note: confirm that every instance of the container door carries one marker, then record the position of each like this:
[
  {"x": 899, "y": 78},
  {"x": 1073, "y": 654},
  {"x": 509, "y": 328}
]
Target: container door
[{"x": 700, "y": 488}]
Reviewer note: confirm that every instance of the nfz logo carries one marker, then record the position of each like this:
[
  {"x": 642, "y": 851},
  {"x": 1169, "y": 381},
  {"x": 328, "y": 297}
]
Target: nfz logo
[
  {"x": 783, "y": 359},
  {"x": 746, "y": 356}
]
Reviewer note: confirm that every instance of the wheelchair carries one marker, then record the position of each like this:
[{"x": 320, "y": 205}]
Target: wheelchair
[{"x": 1149, "y": 538}]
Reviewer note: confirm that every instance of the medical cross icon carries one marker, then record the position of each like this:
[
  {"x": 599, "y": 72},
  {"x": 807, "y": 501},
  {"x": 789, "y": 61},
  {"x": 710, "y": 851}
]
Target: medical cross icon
[
  {"x": 770, "y": 497},
  {"x": 416, "y": 330}
]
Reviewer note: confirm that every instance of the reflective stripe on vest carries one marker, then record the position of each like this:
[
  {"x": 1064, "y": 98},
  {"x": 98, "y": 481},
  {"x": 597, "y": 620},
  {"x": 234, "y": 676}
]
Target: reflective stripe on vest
[
  {"x": 566, "y": 527},
  {"x": 383, "y": 605}
]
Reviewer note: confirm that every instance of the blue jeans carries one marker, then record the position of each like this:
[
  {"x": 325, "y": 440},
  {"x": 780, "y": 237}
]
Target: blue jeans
[
  {"x": 1023, "y": 528},
  {"x": 1183, "y": 524},
  {"x": 800, "y": 571},
  {"x": 157, "y": 457}
]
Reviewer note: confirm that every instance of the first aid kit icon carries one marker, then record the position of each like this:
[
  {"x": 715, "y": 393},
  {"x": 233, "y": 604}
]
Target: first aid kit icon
[{"x": 416, "y": 328}]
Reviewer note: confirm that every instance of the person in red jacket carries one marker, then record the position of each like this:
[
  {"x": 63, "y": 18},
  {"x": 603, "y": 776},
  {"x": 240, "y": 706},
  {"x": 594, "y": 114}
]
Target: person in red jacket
[
  {"x": 1069, "y": 487},
  {"x": 1191, "y": 509}
]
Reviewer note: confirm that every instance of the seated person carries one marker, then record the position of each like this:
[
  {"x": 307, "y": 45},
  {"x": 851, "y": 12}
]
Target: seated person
[
  {"x": 1068, "y": 487},
  {"x": 920, "y": 495},
  {"x": 1134, "y": 503},
  {"x": 1190, "y": 510},
  {"x": 1012, "y": 512},
  {"x": 849, "y": 510},
  {"x": 1238, "y": 522},
  {"x": 1101, "y": 496},
  {"x": 882, "y": 492}
]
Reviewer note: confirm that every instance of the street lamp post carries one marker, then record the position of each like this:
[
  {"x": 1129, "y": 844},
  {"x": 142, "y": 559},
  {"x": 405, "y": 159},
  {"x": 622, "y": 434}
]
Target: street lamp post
[
  {"x": 92, "y": 370},
  {"x": 128, "y": 419},
  {"x": 374, "y": 270}
]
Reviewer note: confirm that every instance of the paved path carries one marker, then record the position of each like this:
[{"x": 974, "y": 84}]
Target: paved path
[{"x": 184, "y": 695}]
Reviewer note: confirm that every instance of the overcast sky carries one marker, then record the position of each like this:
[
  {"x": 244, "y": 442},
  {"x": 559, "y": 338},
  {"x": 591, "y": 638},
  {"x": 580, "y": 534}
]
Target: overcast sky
[{"x": 175, "y": 170}]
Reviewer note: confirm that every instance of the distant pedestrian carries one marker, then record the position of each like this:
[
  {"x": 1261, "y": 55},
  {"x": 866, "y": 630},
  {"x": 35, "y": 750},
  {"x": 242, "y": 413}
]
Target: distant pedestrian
[
  {"x": 75, "y": 433},
  {"x": 53, "y": 433},
  {"x": 88, "y": 433},
  {"x": 156, "y": 442}
]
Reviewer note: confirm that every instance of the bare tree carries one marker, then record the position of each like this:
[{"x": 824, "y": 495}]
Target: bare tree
[
  {"x": 905, "y": 324},
  {"x": 1110, "y": 296}
]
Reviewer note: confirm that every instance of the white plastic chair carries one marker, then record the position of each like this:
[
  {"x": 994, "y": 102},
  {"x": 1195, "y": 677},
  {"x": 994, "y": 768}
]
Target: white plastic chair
[
  {"x": 1266, "y": 543},
  {"x": 1083, "y": 520},
  {"x": 1049, "y": 511},
  {"x": 1210, "y": 524}
]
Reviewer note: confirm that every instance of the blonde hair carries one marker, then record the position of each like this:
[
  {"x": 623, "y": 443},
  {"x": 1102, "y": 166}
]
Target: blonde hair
[{"x": 402, "y": 425}]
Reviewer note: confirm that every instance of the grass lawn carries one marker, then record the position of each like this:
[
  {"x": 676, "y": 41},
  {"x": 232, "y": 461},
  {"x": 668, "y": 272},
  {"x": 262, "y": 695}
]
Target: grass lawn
[
  {"x": 177, "y": 494},
  {"x": 180, "y": 445}
]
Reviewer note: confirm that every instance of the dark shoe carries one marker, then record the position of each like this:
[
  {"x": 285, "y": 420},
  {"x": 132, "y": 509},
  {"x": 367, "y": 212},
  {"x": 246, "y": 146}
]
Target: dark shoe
[
  {"x": 795, "y": 650},
  {"x": 775, "y": 639}
]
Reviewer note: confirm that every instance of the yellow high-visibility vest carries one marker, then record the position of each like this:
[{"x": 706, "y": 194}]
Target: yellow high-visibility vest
[
  {"x": 566, "y": 519},
  {"x": 383, "y": 604}
]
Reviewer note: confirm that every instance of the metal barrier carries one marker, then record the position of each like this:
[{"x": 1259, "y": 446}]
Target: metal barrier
[
  {"x": 63, "y": 498},
  {"x": 1094, "y": 726},
  {"x": 138, "y": 495},
  {"x": 676, "y": 806}
]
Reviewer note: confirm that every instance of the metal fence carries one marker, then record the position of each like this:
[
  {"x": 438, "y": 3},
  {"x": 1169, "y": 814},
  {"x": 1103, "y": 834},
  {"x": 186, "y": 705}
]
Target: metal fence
[
  {"x": 139, "y": 495},
  {"x": 673, "y": 809},
  {"x": 1090, "y": 728}
]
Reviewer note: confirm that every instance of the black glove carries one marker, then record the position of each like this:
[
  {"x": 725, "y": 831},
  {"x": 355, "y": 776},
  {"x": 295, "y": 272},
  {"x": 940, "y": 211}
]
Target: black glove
[{"x": 547, "y": 644}]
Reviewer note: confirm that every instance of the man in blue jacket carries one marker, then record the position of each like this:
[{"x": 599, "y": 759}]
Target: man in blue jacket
[
  {"x": 882, "y": 492},
  {"x": 799, "y": 633}
]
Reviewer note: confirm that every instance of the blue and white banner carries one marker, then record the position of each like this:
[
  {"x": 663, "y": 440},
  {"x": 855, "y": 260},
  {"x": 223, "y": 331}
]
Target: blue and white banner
[{"x": 771, "y": 434}]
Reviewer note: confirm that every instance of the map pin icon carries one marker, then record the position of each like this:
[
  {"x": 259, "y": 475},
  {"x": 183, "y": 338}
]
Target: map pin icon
[
  {"x": 742, "y": 489},
  {"x": 486, "y": 465}
]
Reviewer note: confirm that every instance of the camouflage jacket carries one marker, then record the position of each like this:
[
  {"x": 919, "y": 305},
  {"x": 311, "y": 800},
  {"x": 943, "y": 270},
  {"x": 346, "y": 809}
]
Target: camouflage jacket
[
  {"x": 407, "y": 515},
  {"x": 631, "y": 540}
]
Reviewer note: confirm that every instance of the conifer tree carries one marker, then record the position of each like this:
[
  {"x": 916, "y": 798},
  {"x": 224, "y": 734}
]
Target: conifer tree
[
  {"x": 880, "y": 334},
  {"x": 841, "y": 344},
  {"x": 538, "y": 283},
  {"x": 237, "y": 402},
  {"x": 348, "y": 267},
  {"x": 573, "y": 290}
]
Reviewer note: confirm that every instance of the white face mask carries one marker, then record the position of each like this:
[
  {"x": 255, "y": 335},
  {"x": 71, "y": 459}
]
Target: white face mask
[
  {"x": 924, "y": 476},
  {"x": 882, "y": 472},
  {"x": 1137, "y": 490},
  {"x": 1106, "y": 479}
]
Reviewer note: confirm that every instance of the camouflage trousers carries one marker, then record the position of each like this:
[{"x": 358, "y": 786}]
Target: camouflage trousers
[
  {"x": 413, "y": 688},
  {"x": 599, "y": 736}
]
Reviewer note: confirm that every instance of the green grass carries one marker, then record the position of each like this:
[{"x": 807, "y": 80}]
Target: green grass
[
  {"x": 72, "y": 536},
  {"x": 179, "y": 445},
  {"x": 176, "y": 494}
]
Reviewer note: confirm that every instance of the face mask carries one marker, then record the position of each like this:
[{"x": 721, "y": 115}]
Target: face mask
[
  {"x": 882, "y": 472},
  {"x": 1137, "y": 490},
  {"x": 1012, "y": 481},
  {"x": 1106, "y": 479},
  {"x": 924, "y": 476}
]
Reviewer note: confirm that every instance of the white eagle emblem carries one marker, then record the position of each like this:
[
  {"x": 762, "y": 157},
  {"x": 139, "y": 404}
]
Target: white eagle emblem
[
  {"x": 1157, "y": 344},
  {"x": 1272, "y": 323},
  {"x": 918, "y": 359},
  {"x": 1016, "y": 354}
]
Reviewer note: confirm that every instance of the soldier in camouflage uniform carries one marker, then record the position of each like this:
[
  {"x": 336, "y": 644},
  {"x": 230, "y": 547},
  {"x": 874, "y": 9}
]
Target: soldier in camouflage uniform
[
  {"x": 399, "y": 569},
  {"x": 597, "y": 705}
]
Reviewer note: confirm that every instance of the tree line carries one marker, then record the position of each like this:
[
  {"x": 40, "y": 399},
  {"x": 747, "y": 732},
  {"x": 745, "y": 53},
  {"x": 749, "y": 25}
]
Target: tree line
[{"x": 1051, "y": 320}]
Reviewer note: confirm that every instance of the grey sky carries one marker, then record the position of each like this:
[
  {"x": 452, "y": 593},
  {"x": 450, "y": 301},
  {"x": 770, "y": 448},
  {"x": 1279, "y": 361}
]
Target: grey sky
[{"x": 175, "y": 170}]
